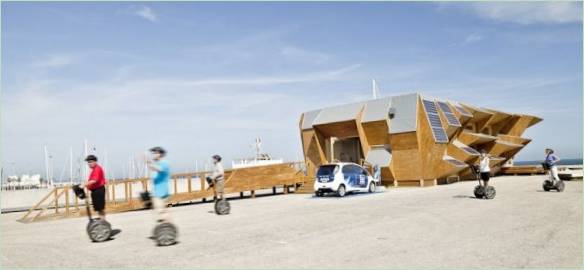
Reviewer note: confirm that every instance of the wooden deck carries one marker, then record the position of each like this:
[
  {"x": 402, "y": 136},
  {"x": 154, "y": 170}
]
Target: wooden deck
[
  {"x": 522, "y": 170},
  {"x": 62, "y": 203}
]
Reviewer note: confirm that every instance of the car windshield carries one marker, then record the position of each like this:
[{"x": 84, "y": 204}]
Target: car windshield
[{"x": 327, "y": 170}]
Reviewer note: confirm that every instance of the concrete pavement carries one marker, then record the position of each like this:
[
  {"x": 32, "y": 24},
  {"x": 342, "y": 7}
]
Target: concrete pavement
[{"x": 434, "y": 227}]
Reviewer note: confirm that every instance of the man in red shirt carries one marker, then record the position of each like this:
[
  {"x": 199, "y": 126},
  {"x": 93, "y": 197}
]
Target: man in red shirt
[{"x": 96, "y": 184}]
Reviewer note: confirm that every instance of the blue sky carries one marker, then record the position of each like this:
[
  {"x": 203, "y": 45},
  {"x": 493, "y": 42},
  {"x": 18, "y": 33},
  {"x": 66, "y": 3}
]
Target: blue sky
[{"x": 206, "y": 78}]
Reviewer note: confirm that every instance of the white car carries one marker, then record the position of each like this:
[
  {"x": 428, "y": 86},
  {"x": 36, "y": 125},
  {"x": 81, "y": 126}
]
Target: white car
[{"x": 342, "y": 178}]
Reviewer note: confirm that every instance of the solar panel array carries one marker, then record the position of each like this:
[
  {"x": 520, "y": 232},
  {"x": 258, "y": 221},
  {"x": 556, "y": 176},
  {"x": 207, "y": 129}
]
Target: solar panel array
[
  {"x": 445, "y": 108},
  {"x": 435, "y": 122},
  {"x": 450, "y": 118},
  {"x": 463, "y": 110},
  {"x": 430, "y": 106}
]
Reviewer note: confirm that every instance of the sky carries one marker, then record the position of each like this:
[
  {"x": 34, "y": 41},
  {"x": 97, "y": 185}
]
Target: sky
[{"x": 208, "y": 78}]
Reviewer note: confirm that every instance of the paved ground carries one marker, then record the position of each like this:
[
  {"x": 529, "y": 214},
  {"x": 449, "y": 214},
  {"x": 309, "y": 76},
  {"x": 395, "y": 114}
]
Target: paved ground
[{"x": 438, "y": 227}]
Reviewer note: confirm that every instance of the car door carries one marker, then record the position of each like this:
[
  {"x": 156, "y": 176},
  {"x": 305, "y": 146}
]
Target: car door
[
  {"x": 363, "y": 178},
  {"x": 348, "y": 176},
  {"x": 351, "y": 175}
]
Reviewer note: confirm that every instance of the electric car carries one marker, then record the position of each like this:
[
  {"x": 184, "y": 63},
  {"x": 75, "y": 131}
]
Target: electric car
[{"x": 342, "y": 178}]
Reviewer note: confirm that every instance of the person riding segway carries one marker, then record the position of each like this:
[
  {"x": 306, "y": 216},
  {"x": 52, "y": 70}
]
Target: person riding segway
[
  {"x": 165, "y": 233},
  {"x": 550, "y": 166},
  {"x": 98, "y": 229},
  {"x": 483, "y": 172},
  {"x": 217, "y": 181}
]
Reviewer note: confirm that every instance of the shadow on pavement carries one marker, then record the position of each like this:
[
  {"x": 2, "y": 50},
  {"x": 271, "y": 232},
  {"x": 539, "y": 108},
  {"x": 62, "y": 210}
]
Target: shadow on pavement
[{"x": 464, "y": 197}]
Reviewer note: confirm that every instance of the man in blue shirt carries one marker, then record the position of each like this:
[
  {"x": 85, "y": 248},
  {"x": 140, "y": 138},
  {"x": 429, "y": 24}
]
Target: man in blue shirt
[
  {"x": 552, "y": 160},
  {"x": 160, "y": 181}
]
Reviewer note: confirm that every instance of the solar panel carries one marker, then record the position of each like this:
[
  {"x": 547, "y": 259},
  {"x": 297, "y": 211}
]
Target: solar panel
[
  {"x": 463, "y": 111},
  {"x": 452, "y": 120},
  {"x": 434, "y": 120},
  {"x": 444, "y": 107},
  {"x": 456, "y": 162},
  {"x": 470, "y": 150},
  {"x": 430, "y": 106},
  {"x": 440, "y": 135}
]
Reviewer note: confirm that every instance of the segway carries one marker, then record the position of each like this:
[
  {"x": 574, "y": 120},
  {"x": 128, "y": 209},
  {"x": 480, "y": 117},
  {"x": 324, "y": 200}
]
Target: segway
[
  {"x": 480, "y": 191},
  {"x": 97, "y": 229},
  {"x": 165, "y": 233},
  {"x": 548, "y": 184},
  {"x": 222, "y": 206}
]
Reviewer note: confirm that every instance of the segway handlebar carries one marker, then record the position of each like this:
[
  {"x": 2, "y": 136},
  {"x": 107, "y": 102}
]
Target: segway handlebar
[{"x": 80, "y": 193}]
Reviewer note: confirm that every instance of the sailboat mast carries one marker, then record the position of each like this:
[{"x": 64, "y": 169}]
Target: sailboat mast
[
  {"x": 105, "y": 164},
  {"x": 47, "y": 165},
  {"x": 375, "y": 89},
  {"x": 71, "y": 165},
  {"x": 85, "y": 170}
]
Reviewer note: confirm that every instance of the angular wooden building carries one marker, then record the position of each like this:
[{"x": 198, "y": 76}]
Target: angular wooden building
[{"x": 417, "y": 140}]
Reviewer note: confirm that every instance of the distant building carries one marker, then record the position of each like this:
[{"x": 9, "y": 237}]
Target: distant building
[{"x": 417, "y": 140}]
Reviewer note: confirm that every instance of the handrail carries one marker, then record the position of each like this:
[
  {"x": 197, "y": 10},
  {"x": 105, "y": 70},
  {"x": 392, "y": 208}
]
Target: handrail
[{"x": 282, "y": 174}]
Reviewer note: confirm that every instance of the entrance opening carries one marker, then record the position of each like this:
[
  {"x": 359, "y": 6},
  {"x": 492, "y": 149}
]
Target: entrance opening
[{"x": 347, "y": 150}]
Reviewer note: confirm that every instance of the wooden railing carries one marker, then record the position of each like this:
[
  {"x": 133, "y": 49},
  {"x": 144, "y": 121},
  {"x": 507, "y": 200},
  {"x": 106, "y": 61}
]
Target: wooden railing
[{"x": 123, "y": 195}]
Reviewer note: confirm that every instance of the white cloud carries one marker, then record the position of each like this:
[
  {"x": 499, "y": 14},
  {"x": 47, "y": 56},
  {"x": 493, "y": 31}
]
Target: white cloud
[
  {"x": 318, "y": 76},
  {"x": 527, "y": 13},
  {"x": 114, "y": 110},
  {"x": 55, "y": 60},
  {"x": 472, "y": 38},
  {"x": 147, "y": 13},
  {"x": 299, "y": 54}
]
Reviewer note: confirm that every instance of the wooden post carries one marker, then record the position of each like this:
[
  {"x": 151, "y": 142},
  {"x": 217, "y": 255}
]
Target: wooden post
[
  {"x": 421, "y": 182},
  {"x": 175, "y": 185},
  {"x": 241, "y": 194},
  {"x": 202, "y": 178},
  {"x": 130, "y": 191},
  {"x": 56, "y": 202},
  {"x": 77, "y": 203},
  {"x": 253, "y": 193},
  {"x": 66, "y": 200},
  {"x": 274, "y": 190},
  {"x": 126, "y": 191},
  {"x": 107, "y": 193},
  {"x": 285, "y": 189},
  {"x": 395, "y": 183},
  {"x": 189, "y": 188},
  {"x": 114, "y": 193}
]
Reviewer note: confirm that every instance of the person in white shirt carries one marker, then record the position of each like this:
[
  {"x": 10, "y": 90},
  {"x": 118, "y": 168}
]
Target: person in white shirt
[
  {"x": 484, "y": 168},
  {"x": 218, "y": 176}
]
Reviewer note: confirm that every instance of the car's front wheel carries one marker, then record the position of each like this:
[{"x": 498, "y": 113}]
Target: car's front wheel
[
  {"x": 372, "y": 187},
  {"x": 342, "y": 191}
]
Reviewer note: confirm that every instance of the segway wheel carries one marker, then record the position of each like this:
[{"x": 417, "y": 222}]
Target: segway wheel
[
  {"x": 560, "y": 186},
  {"x": 99, "y": 230},
  {"x": 318, "y": 193},
  {"x": 165, "y": 234},
  {"x": 479, "y": 192},
  {"x": 547, "y": 185},
  {"x": 490, "y": 193},
  {"x": 222, "y": 207}
]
